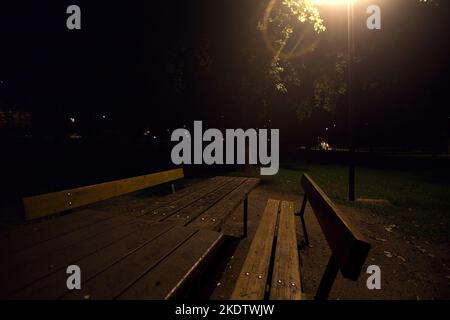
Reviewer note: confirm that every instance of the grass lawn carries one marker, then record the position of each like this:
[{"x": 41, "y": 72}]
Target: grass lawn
[{"x": 418, "y": 202}]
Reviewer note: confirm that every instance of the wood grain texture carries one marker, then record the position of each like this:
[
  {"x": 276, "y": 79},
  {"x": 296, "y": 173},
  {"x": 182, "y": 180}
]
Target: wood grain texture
[
  {"x": 187, "y": 214},
  {"x": 27, "y": 273},
  {"x": 54, "y": 286},
  {"x": 49, "y": 203},
  {"x": 347, "y": 244},
  {"x": 286, "y": 283},
  {"x": 28, "y": 236},
  {"x": 120, "y": 276},
  {"x": 251, "y": 283},
  {"x": 214, "y": 217},
  {"x": 173, "y": 274},
  {"x": 174, "y": 207}
]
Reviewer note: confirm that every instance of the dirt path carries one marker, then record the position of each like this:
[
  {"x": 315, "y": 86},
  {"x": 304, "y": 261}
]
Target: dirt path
[{"x": 409, "y": 269}]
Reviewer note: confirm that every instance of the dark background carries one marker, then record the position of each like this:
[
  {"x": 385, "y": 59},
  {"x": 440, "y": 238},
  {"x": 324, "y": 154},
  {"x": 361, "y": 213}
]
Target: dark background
[{"x": 139, "y": 69}]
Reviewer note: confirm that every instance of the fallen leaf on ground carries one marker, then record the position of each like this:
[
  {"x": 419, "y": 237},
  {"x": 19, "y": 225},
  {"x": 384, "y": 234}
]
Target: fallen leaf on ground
[
  {"x": 423, "y": 250},
  {"x": 401, "y": 258},
  {"x": 390, "y": 228},
  {"x": 388, "y": 254}
]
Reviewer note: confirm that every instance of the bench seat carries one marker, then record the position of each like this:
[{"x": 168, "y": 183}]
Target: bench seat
[
  {"x": 272, "y": 261},
  {"x": 272, "y": 270}
]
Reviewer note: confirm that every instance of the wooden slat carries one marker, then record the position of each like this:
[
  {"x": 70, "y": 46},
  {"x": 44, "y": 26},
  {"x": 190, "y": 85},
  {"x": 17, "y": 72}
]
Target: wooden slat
[
  {"x": 178, "y": 270},
  {"x": 30, "y": 235},
  {"x": 116, "y": 279},
  {"x": 187, "y": 214},
  {"x": 251, "y": 283},
  {"x": 214, "y": 217},
  {"x": 137, "y": 205},
  {"x": 347, "y": 244},
  {"x": 286, "y": 272},
  {"x": 172, "y": 208},
  {"x": 202, "y": 187},
  {"x": 46, "y": 204},
  {"x": 28, "y": 273},
  {"x": 43, "y": 249},
  {"x": 54, "y": 285}
]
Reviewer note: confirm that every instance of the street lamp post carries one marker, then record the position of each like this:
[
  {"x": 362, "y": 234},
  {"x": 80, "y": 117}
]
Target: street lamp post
[{"x": 350, "y": 111}]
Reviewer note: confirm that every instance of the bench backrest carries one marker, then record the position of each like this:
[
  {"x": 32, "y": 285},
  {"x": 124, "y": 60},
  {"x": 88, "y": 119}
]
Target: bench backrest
[
  {"x": 50, "y": 203},
  {"x": 348, "y": 246}
]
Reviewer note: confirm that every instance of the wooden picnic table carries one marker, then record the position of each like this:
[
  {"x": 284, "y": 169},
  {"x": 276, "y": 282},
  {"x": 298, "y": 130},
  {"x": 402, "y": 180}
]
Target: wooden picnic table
[{"x": 130, "y": 247}]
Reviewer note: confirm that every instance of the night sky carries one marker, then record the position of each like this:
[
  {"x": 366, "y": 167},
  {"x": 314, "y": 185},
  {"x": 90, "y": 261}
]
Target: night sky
[{"x": 157, "y": 65}]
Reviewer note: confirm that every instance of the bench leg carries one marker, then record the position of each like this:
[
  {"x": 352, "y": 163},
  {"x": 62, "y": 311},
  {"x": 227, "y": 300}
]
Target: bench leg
[
  {"x": 327, "y": 280},
  {"x": 245, "y": 220},
  {"x": 172, "y": 187},
  {"x": 305, "y": 242}
]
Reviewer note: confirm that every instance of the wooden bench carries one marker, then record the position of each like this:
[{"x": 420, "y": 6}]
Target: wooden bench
[
  {"x": 51, "y": 203},
  {"x": 272, "y": 269},
  {"x": 129, "y": 247}
]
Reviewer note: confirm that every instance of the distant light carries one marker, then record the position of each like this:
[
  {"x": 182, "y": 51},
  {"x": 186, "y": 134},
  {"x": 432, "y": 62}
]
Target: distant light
[
  {"x": 326, "y": 129},
  {"x": 147, "y": 132},
  {"x": 103, "y": 116},
  {"x": 334, "y": 125},
  {"x": 72, "y": 119},
  {"x": 332, "y": 2},
  {"x": 154, "y": 137},
  {"x": 75, "y": 136}
]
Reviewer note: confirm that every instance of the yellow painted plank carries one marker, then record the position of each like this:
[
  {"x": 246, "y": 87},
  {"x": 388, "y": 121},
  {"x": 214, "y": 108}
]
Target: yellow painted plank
[
  {"x": 286, "y": 283},
  {"x": 251, "y": 284},
  {"x": 49, "y": 203}
]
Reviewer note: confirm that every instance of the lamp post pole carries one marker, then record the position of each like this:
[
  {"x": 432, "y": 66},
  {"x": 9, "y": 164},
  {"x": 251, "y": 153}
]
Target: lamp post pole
[{"x": 351, "y": 134}]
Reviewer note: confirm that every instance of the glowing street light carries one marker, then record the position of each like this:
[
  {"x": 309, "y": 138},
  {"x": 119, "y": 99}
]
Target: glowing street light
[
  {"x": 351, "y": 58},
  {"x": 332, "y": 2}
]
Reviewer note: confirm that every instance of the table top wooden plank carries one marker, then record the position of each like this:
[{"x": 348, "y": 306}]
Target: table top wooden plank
[
  {"x": 214, "y": 217},
  {"x": 30, "y": 235},
  {"x": 116, "y": 279},
  {"x": 177, "y": 270},
  {"x": 114, "y": 250},
  {"x": 286, "y": 283},
  {"x": 251, "y": 283},
  {"x": 28, "y": 273},
  {"x": 144, "y": 207},
  {"x": 137, "y": 204},
  {"x": 54, "y": 286},
  {"x": 43, "y": 249},
  {"x": 189, "y": 213},
  {"x": 166, "y": 211}
]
